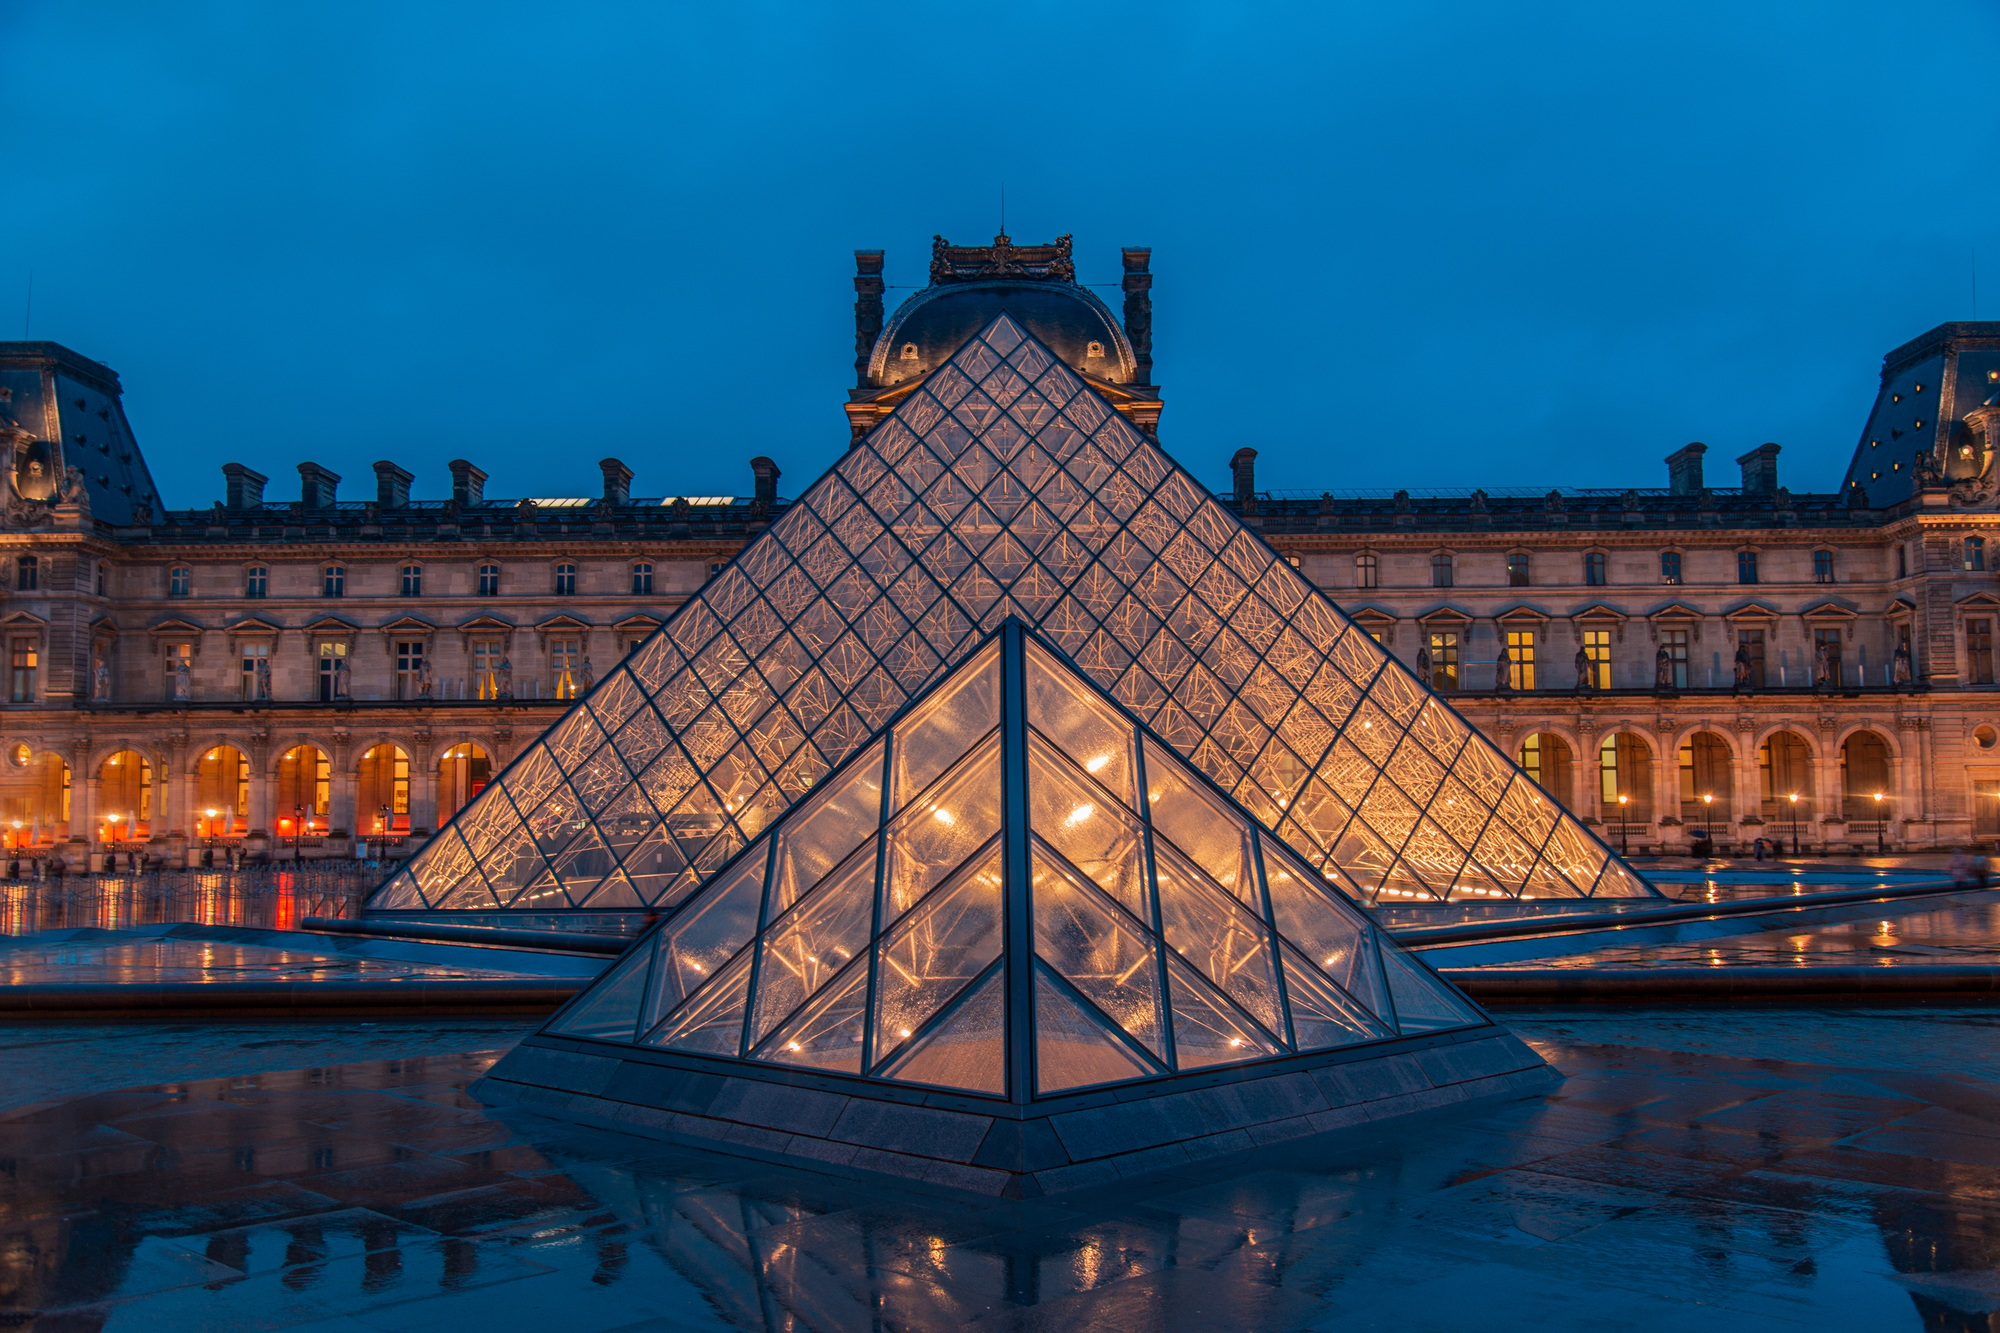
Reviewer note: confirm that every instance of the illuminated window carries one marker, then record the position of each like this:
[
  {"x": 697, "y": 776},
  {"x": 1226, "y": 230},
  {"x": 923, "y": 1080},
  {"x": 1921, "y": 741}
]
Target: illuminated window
[
  {"x": 487, "y": 654},
  {"x": 1597, "y": 653},
  {"x": 332, "y": 664},
  {"x": 565, "y": 666},
  {"x": 1520, "y": 659},
  {"x": 1670, "y": 566},
  {"x": 1444, "y": 659},
  {"x": 25, "y": 665}
]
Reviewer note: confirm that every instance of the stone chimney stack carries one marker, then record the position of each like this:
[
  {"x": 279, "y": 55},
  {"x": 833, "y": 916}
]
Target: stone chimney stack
[
  {"x": 1760, "y": 470},
  {"x": 867, "y": 309},
  {"x": 317, "y": 486},
  {"x": 468, "y": 483},
  {"x": 766, "y": 473},
  {"x": 242, "y": 488},
  {"x": 1139, "y": 308},
  {"x": 392, "y": 485},
  {"x": 617, "y": 481},
  {"x": 1684, "y": 469},
  {"x": 1243, "y": 468}
]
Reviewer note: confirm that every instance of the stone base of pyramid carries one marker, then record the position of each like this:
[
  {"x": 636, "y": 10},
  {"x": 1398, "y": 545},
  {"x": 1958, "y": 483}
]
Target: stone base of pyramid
[{"x": 852, "y": 1127}]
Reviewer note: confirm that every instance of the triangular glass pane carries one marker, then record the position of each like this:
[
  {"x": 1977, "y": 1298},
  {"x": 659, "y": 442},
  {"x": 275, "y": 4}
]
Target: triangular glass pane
[
  {"x": 609, "y": 1010},
  {"x": 1323, "y": 1015},
  {"x": 400, "y": 894},
  {"x": 1207, "y": 1028},
  {"x": 1072, "y": 1049},
  {"x": 544, "y": 894},
  {"x": 967, "y": 1049},
  {"x": 846, "y": 811},
  {"x": 1425, "y": 1002},
  {"x": 614, "y": 894},
  {"x": 1337, "y": 939},
  {"x": 659, "y": 868},
  {"x": 941, "y": 829},
  {"x": 627, "y": 821},
  {"x": 697, "y": 943},
  {"x": 827, "y": 1034},
  {"x": 932, "y": 954},
  {"x": 1213, "y": 836},
  {"x": 1211, "y": 932},
  {"x": 513, "y": 865},
  {"x": 937, "y": 733},
  {"x": 712, "y": 1022},
  {"x": 1094, "y": 834},
  {"x": 584, "y": 863},
  {"x": 1097, "y": 949},
  {"x": 823, "y": 934},
  {"x": 1082, "y": 725}
]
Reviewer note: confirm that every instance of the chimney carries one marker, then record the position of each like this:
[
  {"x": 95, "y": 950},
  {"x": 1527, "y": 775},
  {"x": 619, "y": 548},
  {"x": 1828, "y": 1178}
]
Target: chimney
[
  {"x": 1243, "y": 467},
  {"x": 1138, "y": 285},
  {"x": 243, "y": 488},
  {"x": 766, "y": 473},
  {"x": 468, "y": 483},
  {"x": 1760, "y": 470},
  {"x": 1684, "y": 469},
  {"x": 392, "y": 485},
  {"x": 316, "y": 486},
  {"x": 617, "y": 481},
  {"x": 867, "y": 309}
]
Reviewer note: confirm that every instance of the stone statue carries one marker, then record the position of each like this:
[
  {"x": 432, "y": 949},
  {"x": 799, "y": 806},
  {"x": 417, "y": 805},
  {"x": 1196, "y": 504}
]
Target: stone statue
[
  {"x": 1663, "y": 669},
  {"x": 1899, "y": 666},
  {"x": 100, "y": 682},
  {"x": 263, "y": 680},
  {"x": 506, "y": 687},
  {"x": 340, "y": 686},
  {"x": 1822, "y": 666},
  {"x": 1424, "y": 664},
  {"x": 183, "y": 681},
  {"x": 589, "y": 674},
  {"x": 1586, "y": 677},
  {"x": 426, "y": 683},
  {"x": 1742, "y": 667},
  {"x": 1503, "y": 670}
]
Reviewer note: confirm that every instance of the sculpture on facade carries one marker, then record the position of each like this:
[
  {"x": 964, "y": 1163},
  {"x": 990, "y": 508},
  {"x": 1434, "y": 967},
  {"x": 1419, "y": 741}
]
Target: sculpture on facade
[
  {"x": 1899, "y": 665},
  {"x": 183, "y": 681},
  {"x": 589, "y": 675},
  {"x": 1741, "y": 666},
  {"x": 340, "y": 688},
  {"x": 1586, "y": 679},
  {"x": 263, "y": 680},
  {"x": 1663, "y": 669},
  {"x": 1503, "y": 670},
  {"x": 1822, "y": 666},
  {"x": 506, "y": 684},
  {"x": 100, "y": 682},
  {"x": 426, "y": 683},
  {"x": 1424, "y": 666}
]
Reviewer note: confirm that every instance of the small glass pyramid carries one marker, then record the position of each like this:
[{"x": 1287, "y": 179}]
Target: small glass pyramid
[
  {"x": 1003, "y": 486},
  {"x": 1014, "y": 856}
]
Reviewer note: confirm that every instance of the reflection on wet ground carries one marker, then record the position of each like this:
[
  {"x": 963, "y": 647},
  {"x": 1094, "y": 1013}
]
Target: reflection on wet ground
[
  {"x": 1701, "y": 1169},
  {"x": 146, "y": 961},
  {"x": 1958, "y": 935},
  {"x": 275, "y": 896}
]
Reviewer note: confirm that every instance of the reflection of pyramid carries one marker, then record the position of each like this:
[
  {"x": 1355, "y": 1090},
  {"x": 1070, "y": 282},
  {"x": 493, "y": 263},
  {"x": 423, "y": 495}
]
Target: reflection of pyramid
[
  {"x": 1003, "y": 486},
  {"x": 1016, "y": 902}
]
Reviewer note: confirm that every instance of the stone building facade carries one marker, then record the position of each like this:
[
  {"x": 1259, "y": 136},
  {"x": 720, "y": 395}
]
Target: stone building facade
[{"x": 300, "y": 676}]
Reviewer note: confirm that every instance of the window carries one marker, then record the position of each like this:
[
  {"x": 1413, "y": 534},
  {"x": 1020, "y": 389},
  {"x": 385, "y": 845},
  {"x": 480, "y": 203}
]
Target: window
[
  {"x": 565, "y": 667},
  {"x": 409, "y": 669},
  {"x": 1520, "y": 659},
  {"x": 1675, "y": 641},
  {"x": 631, "y": 644},
  {"x": 177, "y": 656},
  {"x": 256, "y": 581},
  {"x": 333, "y": 582},
  {"x": 26, "y": 660},
  {"x": 1751, "y": 642},
  {"x": 1985, "y": 808},
  {"x": 28, "y": 573},
  {"x": 1826, "y": 648},
  {"x": 565, "y": 580},
  {"x": 1593, "y": 569},
  {"x": 1670, "y": 566},
  {"x": 1746, "y": 566},
  {"x": 1441, "y": 569},
  {"x": 100, "y": 578},
  {"x": 1975, "y": 553},
  {"x": 332, "y": 670},
  {"x": 1902, "y": 562},
  {"x": 1517, "y": 570},
  {"x": 486, "y": 659},
  {"x": 413, "y": 580},
  {"x": 1822, "y": 566},
  {"x": 1444, "y": 659},
  {"x": 1531, "y": 759},
  {"x": 717, "y": 568},
  {"x": 255, "y": 655},
  {"x": 1367, "y": 571},
  {"x": 180, "y": 581},
  {"x": 1597, "y": 654},
  {"x": 489, "y": 580},
  {"x": 642, "y": 579},
  {"x": 1979, "y": 652}
]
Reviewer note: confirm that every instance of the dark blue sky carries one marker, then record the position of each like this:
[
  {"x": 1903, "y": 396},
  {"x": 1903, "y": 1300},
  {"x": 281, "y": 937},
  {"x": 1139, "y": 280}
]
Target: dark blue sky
[{"x": 1421, "y": 244}]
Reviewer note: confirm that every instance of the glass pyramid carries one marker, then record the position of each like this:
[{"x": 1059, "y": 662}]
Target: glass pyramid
[
  {"x": 1003, "y": 486},
  {"x": 1014, "y": 857}
]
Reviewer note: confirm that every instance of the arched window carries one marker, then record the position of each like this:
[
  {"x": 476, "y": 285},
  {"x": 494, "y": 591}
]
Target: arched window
[
  {"x": 462, "y": 773},
  {"x": 1864, "y": 774},
  {"x": 1367, "y": 571},
  {"x": 125, "y": 796},
  {"x": 1625, "y": 789},
  {"x": 222, "y": 792},
  {"x": 565, "y": 580},
  {"x": 34, "y": 803},
  {"x": 305, "y": 783},
  {"x": 1441, "y": 569},
  {"x": 382, "y": 805}
]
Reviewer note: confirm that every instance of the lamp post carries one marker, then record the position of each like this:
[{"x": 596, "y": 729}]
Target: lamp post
[
  {"x": 298, "y": 833},
  {"x": 1879, "y": 848},
  {"x": 208, "y": 836},
  {"x": 1708, "y": 820},
  {"x": 1795, "y": 823},
  {"x": 1624, "y": 836}
]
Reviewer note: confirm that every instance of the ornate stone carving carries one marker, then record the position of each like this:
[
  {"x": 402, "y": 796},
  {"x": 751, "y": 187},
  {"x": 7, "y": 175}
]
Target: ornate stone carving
[{"x": 1002, "y": 259}]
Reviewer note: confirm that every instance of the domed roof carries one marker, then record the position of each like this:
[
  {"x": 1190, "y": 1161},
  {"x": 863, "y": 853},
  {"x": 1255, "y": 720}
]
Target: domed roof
[{"x": 1070, "y": 321}]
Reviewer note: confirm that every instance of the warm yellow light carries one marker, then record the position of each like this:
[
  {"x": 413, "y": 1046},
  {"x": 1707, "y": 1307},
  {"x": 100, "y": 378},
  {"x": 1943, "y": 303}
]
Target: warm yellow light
[
  {"x": 1078, "y": 815},
  {"x": 212, "y": 813},
  {"x": 1794, "y": 798},
  {"x": 943, "y": 816},
  {"x": 1707, "y": 799},
  {"x": 1878, "y": 795},
  {"x": 1098, "y": 763}
]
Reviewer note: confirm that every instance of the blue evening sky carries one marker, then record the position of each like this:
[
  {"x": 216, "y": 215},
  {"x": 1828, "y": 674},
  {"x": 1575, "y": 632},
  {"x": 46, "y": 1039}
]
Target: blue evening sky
[{"x": 1412, "y": 244}]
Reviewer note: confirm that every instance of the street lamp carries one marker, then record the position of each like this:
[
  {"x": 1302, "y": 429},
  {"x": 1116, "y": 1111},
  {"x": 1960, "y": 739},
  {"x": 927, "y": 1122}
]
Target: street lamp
[
  {"x": 1795, "y": 823},
  {"x": 1624, "y": 835},
  {"x": 298, "y": 832},
  {"x": 209, "y": 835},
  {"x": 1879, "y": 848}
]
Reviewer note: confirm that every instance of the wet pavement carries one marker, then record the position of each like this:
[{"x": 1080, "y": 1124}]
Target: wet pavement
[
  {"x": 277, "y": 896},
  {"x": 1700, "y": 1169}
]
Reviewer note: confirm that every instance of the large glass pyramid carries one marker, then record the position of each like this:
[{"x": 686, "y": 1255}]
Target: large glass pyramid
[
  {"x": 1014, "y": 890},
  {"x": 1003, "y": 486}
]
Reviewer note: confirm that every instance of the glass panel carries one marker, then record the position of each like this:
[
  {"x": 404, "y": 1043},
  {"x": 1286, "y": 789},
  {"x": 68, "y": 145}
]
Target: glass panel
[
  {"x": 609, "y": 1011},
  {"x": 1330, "y": 933},
  {"x": 968, "y": 1049},
  {"x": 1207, "y": 1031},
  {"x": 1198, "y": 823},
  {"x": 711, "y": 1023},
  {"x": 935, "y": 835},
  {"x": 1211, "y": 931},
  {"x": 616, "y": 892},
  {"x": 1425, "y": 1002},
  {"x": 512, "y": 865},
  {"x": 697, "y": 943},
  {"x": 939, "y": 731},
  {"x": 1098, "y": 838},
  {"x": 1097, "y": 951},
  {"x": 658, "y": 868},
  {"x": 1089, "y": 730},
  {"x": 1072, "y": 1049},
  {"x": 839, "y": 818},
  {"x": 1323, "y": 1015},
  {"x": 583, "y": 863},
  {"x": 827, "y": 1034},
  {"x": 935, "y": 951},
  {"x": 826, "y": 932}
]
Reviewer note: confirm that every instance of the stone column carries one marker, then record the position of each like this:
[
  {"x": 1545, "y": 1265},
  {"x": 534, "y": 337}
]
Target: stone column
[
  {"x": 423, "y": 783},
  {"x": 1830, "y": 798},
  {"x": 1748, "y": 783},
  {"x": 340, "y": 800},
  {"x": 263, "y": 785}
]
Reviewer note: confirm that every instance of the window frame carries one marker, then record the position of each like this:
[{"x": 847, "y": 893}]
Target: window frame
[
  {"x": 486, "y": 579},
  {"x": 180, "y": 580},
  {"x": 333, "y": 581},
  {"x": 1972, "y": 554},
  {"x": 1444, "y": 571},
  {"x": 410, "y": 580},
  {"x": 642, "y": 578},
  {"x": 1367, "y": 569},
  {"x": 1596, "y": 569},
  {"x": 564, "y": 580},
  {"x": 27, "y": 573},
  {"x": 257, "y": 582},
  {"x": 1673, "y": 569},
  {"x": 1822, "y": 566},
  {"x": 1746, "y": 564},
  {"x": 24, "y": 668},
  {"x": 1520, "y": 569}
]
